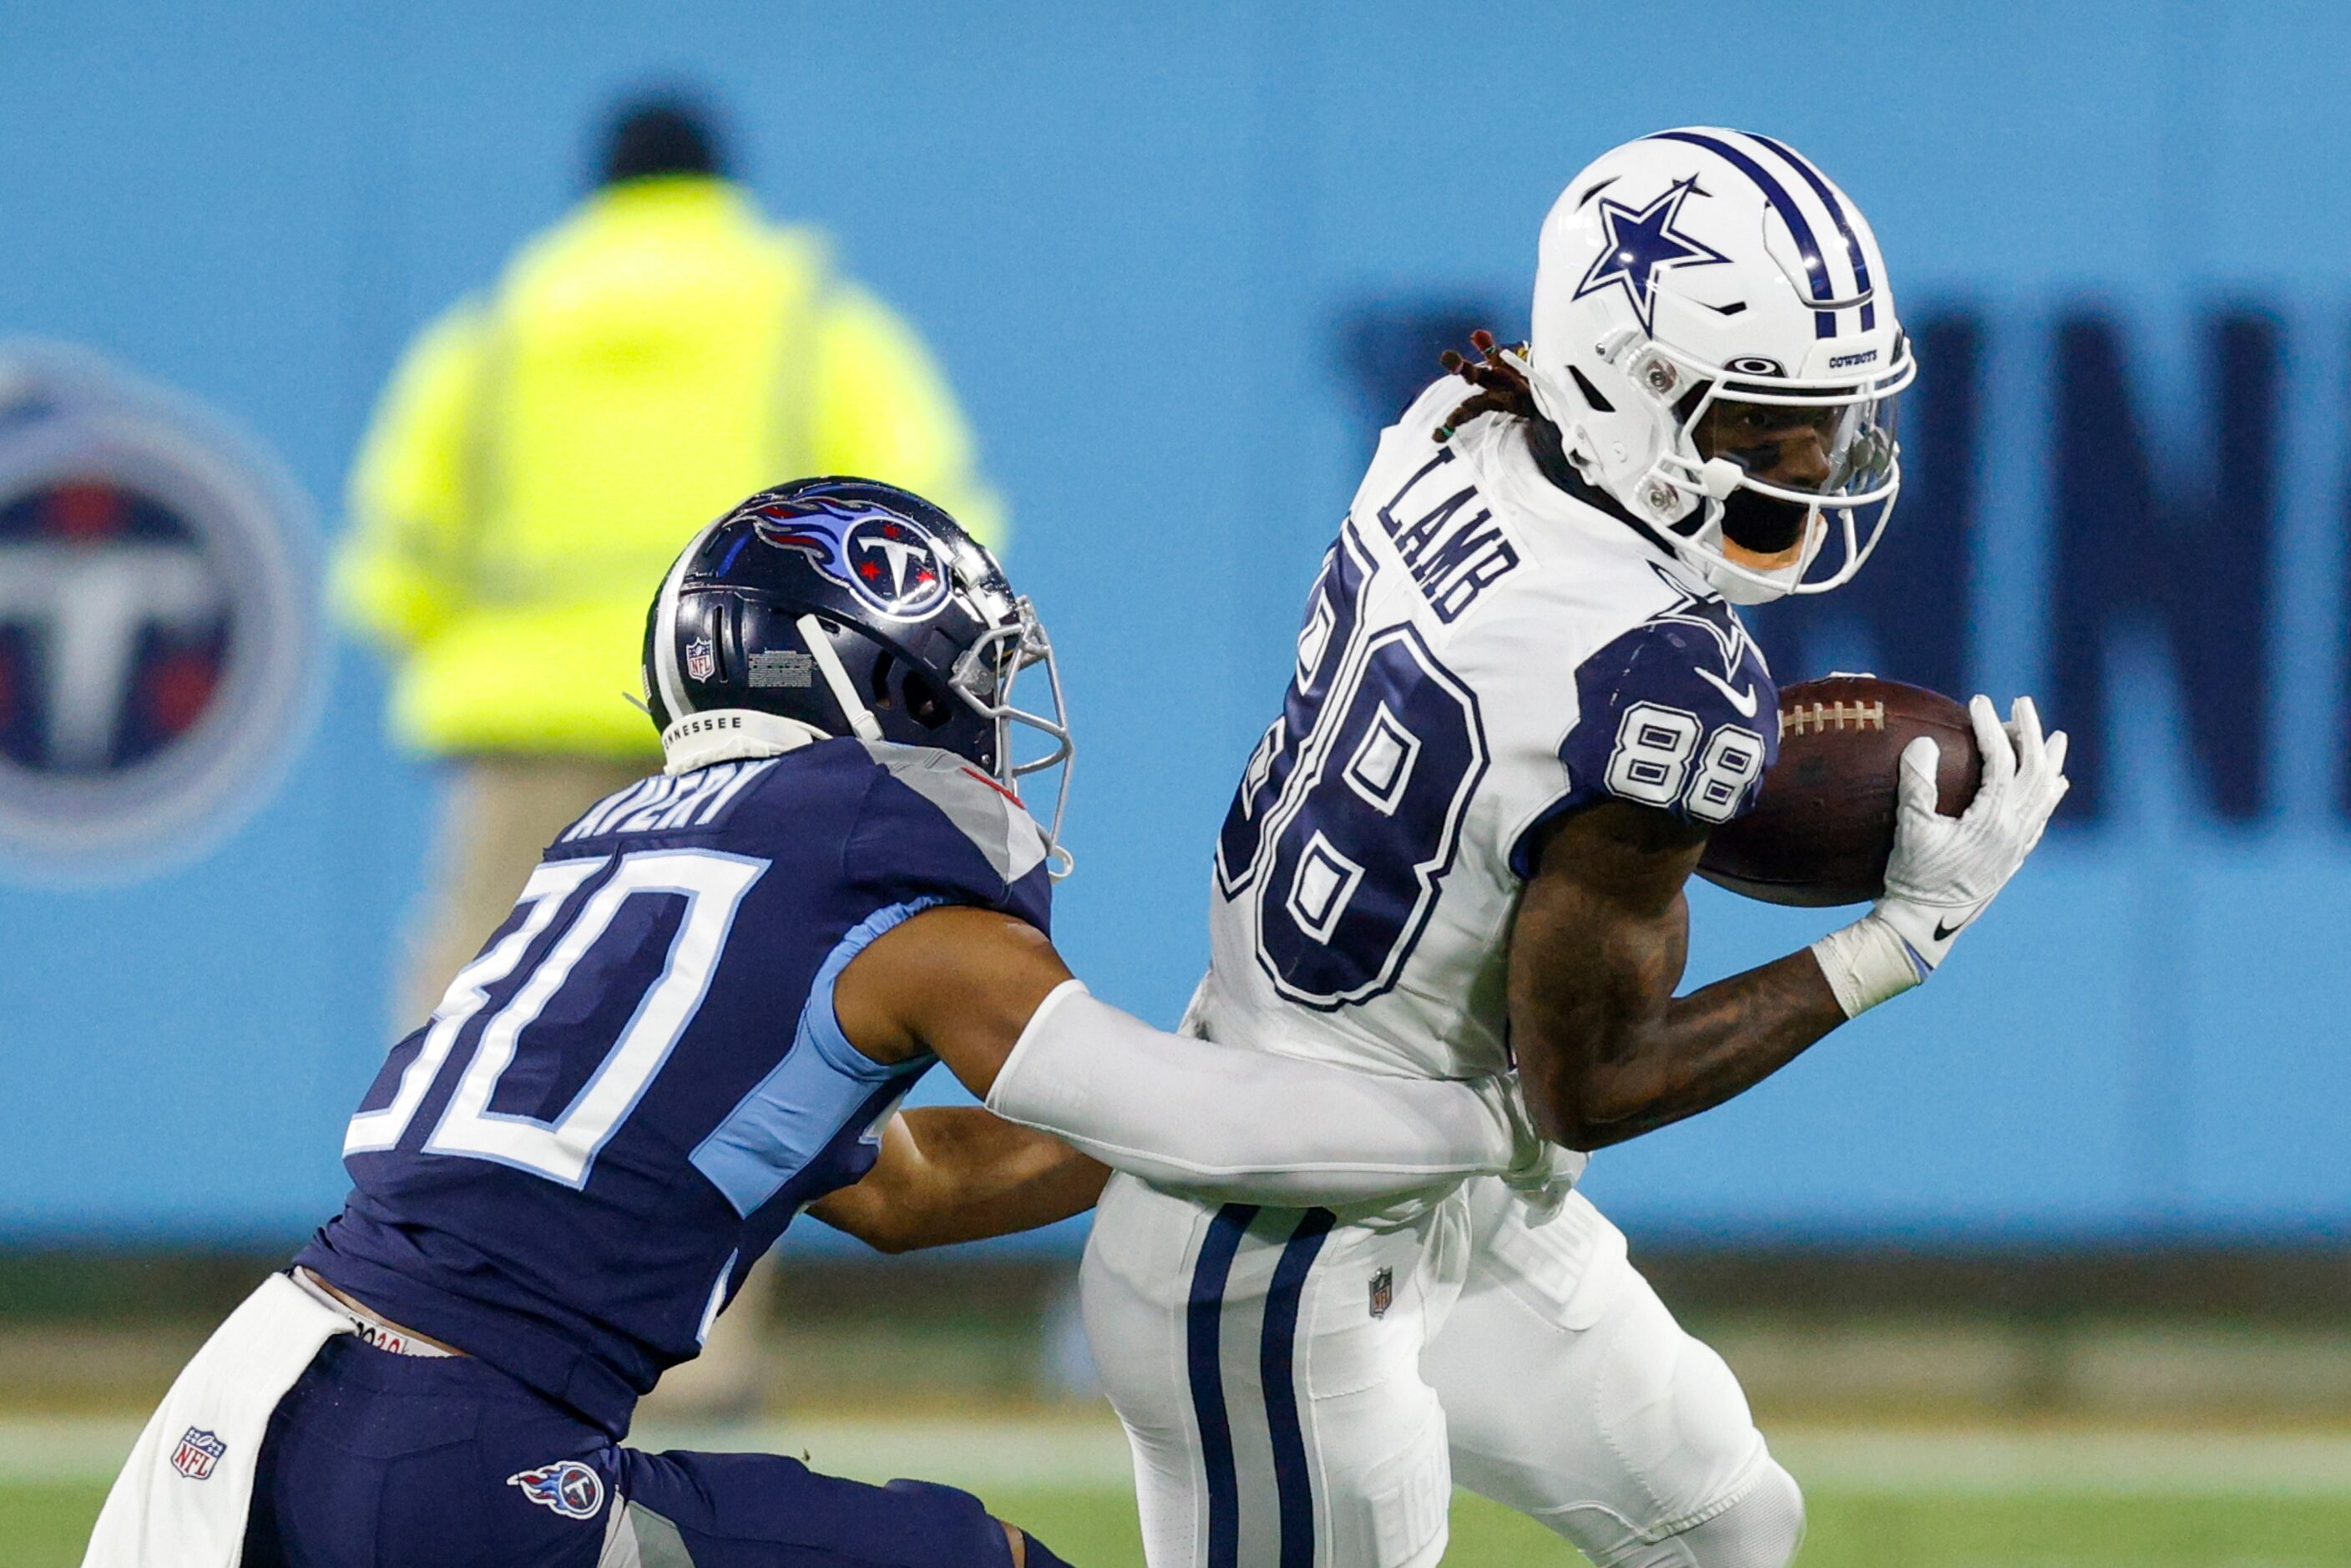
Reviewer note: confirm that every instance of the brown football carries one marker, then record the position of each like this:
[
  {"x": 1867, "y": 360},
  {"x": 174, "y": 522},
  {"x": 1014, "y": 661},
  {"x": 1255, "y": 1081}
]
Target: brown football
[{"x": 1824, "y": 821}]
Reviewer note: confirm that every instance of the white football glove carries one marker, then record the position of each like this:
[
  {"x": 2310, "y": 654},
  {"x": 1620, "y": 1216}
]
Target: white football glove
[{"x": 1944, "y": 870}]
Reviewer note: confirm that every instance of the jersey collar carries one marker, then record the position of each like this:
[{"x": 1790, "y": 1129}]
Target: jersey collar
[
  {"x": 1529, "y": 461},
  {"x": 1550, "y": 461},
  {"x": 729, "y": 734}
]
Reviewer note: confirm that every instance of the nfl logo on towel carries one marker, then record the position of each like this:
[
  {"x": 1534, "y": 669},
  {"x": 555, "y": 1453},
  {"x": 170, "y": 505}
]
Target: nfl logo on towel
[
  {"x": 198, "y": 1452},
  {"x": 1383, "y": 1292}
]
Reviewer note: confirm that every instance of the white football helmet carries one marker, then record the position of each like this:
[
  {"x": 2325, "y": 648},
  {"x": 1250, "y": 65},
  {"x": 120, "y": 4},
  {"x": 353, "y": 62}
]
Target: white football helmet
[{"x": 1698, "y": 267}]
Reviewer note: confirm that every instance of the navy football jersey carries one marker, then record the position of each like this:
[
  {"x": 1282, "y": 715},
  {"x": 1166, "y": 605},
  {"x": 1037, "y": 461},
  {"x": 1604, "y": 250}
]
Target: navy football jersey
[{"x": 622, "y": 1102}]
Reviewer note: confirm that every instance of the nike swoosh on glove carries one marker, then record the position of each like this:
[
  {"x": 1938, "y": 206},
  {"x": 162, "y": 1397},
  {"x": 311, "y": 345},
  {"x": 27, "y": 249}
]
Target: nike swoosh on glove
[{"x": 1944, "y": 870}]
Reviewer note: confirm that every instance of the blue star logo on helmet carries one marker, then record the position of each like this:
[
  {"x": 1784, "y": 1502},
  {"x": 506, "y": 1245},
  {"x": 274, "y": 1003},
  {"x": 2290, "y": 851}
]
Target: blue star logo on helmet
[
  {"x": 1642, "y": 243},
  {"x": 889, "y": 561}
]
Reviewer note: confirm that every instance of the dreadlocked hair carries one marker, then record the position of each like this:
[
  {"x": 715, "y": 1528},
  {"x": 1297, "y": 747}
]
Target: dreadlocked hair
[{"x": 1501, "y": 386}]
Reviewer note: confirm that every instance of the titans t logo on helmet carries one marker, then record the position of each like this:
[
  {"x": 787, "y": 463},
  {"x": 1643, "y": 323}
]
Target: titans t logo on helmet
[{"x": 890, "y": 561}]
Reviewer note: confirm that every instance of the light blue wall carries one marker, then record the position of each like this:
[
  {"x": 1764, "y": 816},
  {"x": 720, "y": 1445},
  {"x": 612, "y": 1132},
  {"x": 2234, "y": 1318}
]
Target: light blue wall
[{"x": 1135, "y": 240}]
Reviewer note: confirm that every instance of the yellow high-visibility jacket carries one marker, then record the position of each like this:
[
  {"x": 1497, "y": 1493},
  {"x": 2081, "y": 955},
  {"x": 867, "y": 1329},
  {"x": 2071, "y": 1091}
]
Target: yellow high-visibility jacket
[{"x": 539, "y": 457}]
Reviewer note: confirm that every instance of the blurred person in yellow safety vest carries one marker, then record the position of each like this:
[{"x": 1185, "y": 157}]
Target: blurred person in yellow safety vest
[{"x": 542, "y": 451}]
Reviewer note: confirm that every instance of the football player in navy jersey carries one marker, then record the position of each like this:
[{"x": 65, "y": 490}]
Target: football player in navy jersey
[{"x": 697, "y": 1024}]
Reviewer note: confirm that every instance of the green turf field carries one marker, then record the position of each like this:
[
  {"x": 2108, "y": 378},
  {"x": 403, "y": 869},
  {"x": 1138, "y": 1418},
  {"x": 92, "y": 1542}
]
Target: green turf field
[
  {"x": 44, "y": 1524},
  {"x": 1854, "y": 1530},
  {"x": 2017, "y": 1496}
]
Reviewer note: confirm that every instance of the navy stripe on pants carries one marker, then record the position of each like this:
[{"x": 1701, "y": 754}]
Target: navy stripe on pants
[
  {"x": 1277, "y": 1359},
  {"x": 1203, "y": 1323}
]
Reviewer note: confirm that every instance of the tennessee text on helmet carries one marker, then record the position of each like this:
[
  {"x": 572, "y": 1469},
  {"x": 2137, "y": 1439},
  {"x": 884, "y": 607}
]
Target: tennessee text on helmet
[
  {"x": 838, "y": 607},
  {"x": 1700, "y": 283}
]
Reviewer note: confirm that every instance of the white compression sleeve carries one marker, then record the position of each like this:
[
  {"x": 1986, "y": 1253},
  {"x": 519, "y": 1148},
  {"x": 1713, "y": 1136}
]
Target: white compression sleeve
[{"x": 1242, "y": 1124}]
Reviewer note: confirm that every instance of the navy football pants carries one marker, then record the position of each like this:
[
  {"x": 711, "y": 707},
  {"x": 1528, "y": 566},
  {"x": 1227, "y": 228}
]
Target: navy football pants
[{"x": 376, "y": 1460}]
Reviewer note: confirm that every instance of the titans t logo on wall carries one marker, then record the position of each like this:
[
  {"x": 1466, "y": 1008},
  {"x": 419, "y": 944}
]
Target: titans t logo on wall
[
  {"x": 889, "y": 561},
  {"x": 1642, "y": 243},
  {"x": 157, "y": 639}
]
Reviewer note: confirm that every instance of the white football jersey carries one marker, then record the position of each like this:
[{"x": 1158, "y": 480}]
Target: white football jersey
[{"x": 1482, "y": 652}]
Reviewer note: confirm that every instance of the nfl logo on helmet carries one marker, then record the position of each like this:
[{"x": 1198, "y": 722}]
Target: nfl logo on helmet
[
  {"x": 198, "y": 1452},
  {"x": 701, "y": 660}
]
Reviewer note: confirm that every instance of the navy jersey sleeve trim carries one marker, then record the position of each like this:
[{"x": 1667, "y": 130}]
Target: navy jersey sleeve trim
[
  {"x": 794, "y": 1114},
  {"x": 1678, "y": 715}
]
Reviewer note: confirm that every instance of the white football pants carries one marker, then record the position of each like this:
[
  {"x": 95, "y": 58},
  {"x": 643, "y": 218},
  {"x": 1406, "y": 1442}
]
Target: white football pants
[{"x": 1302, "y": 1391}]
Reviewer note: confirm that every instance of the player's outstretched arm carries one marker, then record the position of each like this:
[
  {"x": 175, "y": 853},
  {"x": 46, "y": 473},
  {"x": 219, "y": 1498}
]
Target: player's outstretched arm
[
  {"x": 1606, "y": 1047},
  {"x": 956, "y": 1173},
  {"x": 990, "y": 997}
]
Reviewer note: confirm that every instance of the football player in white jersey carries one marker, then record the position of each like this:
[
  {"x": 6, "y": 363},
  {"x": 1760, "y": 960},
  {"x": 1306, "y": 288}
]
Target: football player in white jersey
[{"x": 1522, "y": 699}]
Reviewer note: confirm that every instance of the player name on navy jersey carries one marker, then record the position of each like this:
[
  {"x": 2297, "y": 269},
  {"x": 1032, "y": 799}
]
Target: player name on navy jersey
[
  {"x": 622, "y": 1102},
  {"x": 667, "y": 801}
]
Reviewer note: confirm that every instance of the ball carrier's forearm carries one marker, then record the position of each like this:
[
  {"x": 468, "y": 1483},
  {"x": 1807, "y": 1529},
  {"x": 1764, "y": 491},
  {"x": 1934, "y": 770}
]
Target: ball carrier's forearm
[
  {"x": 1606, "y": 1049},
  {"x": 1688, "y": 1055}
]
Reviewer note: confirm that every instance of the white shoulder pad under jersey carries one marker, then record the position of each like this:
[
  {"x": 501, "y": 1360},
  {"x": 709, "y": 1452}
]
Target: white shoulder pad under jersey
[{"x": 1480, "y": 653}]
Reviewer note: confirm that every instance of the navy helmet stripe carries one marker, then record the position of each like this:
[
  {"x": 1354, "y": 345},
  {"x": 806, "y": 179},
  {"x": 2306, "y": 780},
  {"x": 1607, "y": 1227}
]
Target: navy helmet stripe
[
  {"x": 1799, "y": 226},
  {"x": 1828, "y": 196},
  {"x": 1294, "y": 1478},
  {"x": 1204, "y": 1317}
]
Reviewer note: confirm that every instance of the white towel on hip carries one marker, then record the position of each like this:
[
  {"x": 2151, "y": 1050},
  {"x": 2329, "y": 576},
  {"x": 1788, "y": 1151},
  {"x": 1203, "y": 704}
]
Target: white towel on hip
[{"x": 181, "y": 1499}]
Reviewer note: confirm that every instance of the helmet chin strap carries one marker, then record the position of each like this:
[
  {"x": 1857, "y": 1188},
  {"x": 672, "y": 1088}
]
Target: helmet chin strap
[
  {"x": 1741, "y": 590},
  {"x": 836, "y": 676},
  {"x": 1747, "y": 585}
]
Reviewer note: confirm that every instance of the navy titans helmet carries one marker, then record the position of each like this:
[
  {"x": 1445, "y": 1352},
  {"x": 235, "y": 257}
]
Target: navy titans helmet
[{"x": 841, "y": 607}]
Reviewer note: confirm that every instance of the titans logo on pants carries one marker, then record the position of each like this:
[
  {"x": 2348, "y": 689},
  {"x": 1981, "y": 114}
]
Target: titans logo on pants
[
  {"x": 569, "y": 1486},
  {"x": 889, "y": 561}
]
